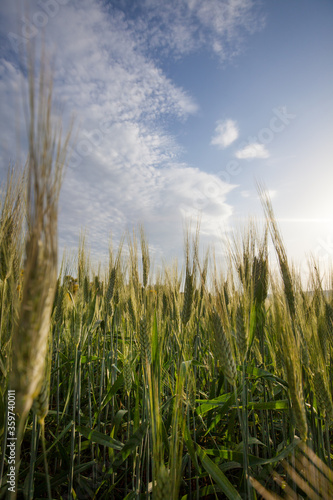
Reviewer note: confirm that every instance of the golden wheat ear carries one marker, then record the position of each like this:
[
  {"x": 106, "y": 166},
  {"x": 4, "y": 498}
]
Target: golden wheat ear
[
  {"x": 222, "y": 348},
  {"x": 47, "y": 155}
]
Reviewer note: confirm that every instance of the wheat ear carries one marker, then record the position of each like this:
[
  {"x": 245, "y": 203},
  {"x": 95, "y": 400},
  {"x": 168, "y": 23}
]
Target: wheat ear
[
  {"x": 222, "y": 348},
  {"x": 47, "y": 155}
]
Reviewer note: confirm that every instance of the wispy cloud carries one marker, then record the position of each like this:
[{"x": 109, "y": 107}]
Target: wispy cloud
[
  {"x": 251, "y": 151},
  {"x": 226, "y": 132},
  {"x": 126, "y": 164},
  {"x": 161, "y": 198},
  {"x": 183, "y": 26}
]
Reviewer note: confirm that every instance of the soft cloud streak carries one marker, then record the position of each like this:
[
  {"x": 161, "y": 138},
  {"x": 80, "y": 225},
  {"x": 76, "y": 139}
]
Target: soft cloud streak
[
  {"x": 251, "y": 151},
  {"x": 226, "y": 132},
  {"x": 187, "y": 25},
  {"x": 126, "y": 166}
]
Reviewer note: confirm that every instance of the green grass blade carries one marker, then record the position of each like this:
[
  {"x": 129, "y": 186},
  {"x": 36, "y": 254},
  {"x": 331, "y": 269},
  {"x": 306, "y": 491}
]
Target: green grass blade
[
  {"x": 221, "y": 480},
  {"x": 100, "y": 438},
  {"x": 130, "y": 445}
]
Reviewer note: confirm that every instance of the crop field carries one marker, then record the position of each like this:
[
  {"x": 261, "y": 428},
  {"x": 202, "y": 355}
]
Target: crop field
[{"x": 175, "y": 384}]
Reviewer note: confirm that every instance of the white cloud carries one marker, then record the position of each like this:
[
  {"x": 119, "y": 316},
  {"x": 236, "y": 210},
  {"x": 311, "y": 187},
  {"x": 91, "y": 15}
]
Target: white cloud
[
  {"x": 253, "y": 150},
  {"x": 226, "y": 132},
  {"x": 160, "y": 197},
  {"x": 186, "y": 25},
  {"x": 125, "y": 167}
]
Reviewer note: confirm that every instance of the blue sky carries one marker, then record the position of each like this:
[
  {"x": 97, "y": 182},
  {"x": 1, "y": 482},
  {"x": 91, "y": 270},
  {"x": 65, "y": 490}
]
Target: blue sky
[{"x": 180, "y": 106}]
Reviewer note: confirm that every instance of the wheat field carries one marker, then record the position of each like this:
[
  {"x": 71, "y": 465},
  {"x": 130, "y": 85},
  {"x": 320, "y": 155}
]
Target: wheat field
[{"x": 180, "y": 384}]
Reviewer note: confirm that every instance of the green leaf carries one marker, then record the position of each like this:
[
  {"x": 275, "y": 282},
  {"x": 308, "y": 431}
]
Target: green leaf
[
  {"x": 100, "y": 438},
  {"x": 190, "y": 447},
  {"x": 130, "y": 445},
  {"x": 213, "y": 403},
  {"x": 250, "y": 441},
  {"x": 117, "y": 421},
  {"x": 62, "y": 478},
  {"x": 260, "y": 373},
  {"x": 230, "y": 465},
  {"x": 131, "y": 495},
  {"x": 233, "y": 456},
  {"x": 237, "y": 456},
  {"x": 116, "y": 386},
  {"x": 205, "y": 492},
  {"x": 221, "y": 480},
  {"x": 87, "y": 359},
  {"x": 224, "y": 403},
  {"x": 282, "y": 404},
  {"x": 57, "y": 442}
]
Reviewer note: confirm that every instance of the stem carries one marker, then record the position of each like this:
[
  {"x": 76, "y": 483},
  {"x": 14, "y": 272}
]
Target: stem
[
  {"x": 245, "y": 431},
  {"x": 34, "y": 439},
  {"x": 48, "y": 484},
  {"x": 71, "y": 466}
]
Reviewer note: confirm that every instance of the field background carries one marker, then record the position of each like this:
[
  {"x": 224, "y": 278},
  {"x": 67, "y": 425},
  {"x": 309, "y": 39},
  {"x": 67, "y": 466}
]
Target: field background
[{"x": 182, "y": 387}]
